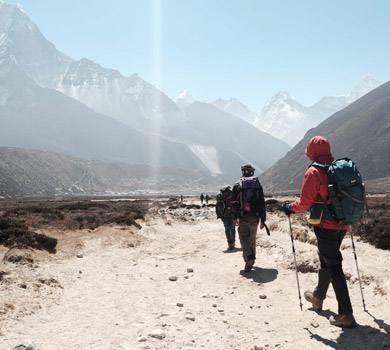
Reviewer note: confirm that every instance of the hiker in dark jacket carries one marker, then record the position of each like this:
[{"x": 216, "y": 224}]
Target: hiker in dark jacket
[
  {"x": 249, "y": 209},
  {"x": 207, "y": 198},
  {"x": 224, "y": 212},
  {"x": 201, "y": 198},
  {"x": 328, "y": 231}
]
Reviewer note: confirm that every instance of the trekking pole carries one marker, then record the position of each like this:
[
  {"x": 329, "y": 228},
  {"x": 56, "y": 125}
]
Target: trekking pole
[
  {"x": 266, "y": 229},
  {"x": 295, "y": 262},
  {"x": 358, "y": 272}
]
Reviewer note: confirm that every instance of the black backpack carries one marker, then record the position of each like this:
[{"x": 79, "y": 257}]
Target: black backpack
[{"x": 249, "y": 195}]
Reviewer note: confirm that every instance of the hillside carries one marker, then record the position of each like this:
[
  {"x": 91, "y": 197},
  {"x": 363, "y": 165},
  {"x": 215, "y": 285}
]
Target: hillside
[
  {"x": 361, "y": 132},
  {"x": 39, "y": 173},
  {"x": 82, "y": 109}
]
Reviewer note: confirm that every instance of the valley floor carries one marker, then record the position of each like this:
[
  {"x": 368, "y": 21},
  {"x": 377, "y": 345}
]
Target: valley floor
[{"x": 111, "y": 289}]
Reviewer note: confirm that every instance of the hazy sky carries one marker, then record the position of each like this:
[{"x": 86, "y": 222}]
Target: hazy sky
[{"x": 246, "y": 49}]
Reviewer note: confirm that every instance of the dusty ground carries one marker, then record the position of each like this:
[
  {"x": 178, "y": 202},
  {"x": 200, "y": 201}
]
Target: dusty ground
[{"x": 110, "y": 289}]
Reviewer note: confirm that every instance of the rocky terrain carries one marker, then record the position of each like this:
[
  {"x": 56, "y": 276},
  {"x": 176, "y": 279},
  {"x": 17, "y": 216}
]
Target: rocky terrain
[{"x": 163, "y": 280}]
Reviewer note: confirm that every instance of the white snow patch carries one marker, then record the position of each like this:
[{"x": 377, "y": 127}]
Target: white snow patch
[{"x": 208, "y": 156}]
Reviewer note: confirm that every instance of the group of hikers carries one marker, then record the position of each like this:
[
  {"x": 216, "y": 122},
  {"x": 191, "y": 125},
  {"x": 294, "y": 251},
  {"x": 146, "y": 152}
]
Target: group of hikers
[
  {"x": 243, "y": 205},
  {"x": 204, "y": 198}
]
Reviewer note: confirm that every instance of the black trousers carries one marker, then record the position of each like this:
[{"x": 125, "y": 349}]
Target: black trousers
[{"x": 331, "y": 271}]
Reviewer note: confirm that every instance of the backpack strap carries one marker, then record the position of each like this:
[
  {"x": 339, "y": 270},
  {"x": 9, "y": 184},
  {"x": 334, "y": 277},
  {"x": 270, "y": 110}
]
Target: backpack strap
[{"x": 321, "y": 166}]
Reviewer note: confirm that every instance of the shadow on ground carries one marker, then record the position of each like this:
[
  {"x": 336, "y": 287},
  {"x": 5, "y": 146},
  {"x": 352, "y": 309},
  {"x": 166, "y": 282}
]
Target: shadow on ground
[
  {"x": 260, "y": 275},
  {"x": 360, "y": 338},
  {"x": 235, "y": 250}
]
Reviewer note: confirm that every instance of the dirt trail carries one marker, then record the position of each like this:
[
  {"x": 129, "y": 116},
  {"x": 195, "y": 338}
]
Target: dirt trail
[{"x": 120, "y": 297}]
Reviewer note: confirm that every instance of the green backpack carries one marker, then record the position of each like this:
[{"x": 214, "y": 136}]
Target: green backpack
[{"x": 346, "y": 190}]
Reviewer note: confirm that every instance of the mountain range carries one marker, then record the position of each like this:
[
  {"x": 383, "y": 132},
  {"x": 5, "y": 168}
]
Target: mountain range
[
  {"x": 288, "y": 119},
  {"x": 52, "y": 102},
  {"x": 361, "y": 132},
  {"x": 78, "y": 112}
]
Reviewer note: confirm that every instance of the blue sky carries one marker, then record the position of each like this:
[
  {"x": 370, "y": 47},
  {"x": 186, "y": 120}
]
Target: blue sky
[{"x": 248, "y": 49}]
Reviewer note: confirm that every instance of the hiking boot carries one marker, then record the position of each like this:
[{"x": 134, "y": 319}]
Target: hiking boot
[
  {"x": 249, "y": 264},
  {"x": 231, "y": 246},
  {"x": 315, "y": 302},
  {"x": 344, "y": 321}
]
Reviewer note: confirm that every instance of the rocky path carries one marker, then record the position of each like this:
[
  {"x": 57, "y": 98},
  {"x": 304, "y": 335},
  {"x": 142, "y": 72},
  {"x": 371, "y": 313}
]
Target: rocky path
[{"x": 179, "y": 289}]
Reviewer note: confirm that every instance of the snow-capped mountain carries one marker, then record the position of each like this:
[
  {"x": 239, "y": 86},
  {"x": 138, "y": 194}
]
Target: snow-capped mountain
[
  {"x": 27, "y": 46},
  {"x": 128, "y": 105},
  {"x": 359, "y": 131},
  {"x": 289, "y": 120},
  {"x": 363, "y": 87},
  {"x": 235, "y": 107},
  {"x": 184, "y": 99}
]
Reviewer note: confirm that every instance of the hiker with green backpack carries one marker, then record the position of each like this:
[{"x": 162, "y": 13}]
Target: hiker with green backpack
[{"x": 333, "y": 192}]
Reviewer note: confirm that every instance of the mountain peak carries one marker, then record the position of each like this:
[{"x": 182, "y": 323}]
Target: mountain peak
[
  {"x": 362, "y": 87},
  {"x": 281, "y": 95},
  {"x": 185, "y": 99},
  {"x": 235, "y": 107},
  {"x": 15, "y": 17}
]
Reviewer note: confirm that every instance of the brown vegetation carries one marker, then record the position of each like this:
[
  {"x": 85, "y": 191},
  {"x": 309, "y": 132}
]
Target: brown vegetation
[
  {"x": 76, "y": 214},
  {"x": 18, "y": 220},
  {"x": 375, "y": 227}
]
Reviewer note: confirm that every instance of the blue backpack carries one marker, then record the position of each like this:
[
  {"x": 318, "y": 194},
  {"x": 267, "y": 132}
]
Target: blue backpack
[{"x": 346, "y": 190}]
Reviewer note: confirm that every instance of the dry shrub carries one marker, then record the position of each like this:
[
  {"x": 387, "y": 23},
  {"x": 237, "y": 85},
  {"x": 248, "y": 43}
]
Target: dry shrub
[
  {"x": 305, "y": 266},
  {"x": 14, "y": 233},
  {"x": 77, "y": 214},
  {"x": 376, "y": 227},
  {"x": 365, "y": 279},
  {"x": 304, "y": 235},
  {"x": 18, "y": 256},
  {"x": 379, "y": 290}
]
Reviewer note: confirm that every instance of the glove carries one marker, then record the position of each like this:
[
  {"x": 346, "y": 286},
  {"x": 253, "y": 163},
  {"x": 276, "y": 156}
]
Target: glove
[{"x": 287, "y": 209}]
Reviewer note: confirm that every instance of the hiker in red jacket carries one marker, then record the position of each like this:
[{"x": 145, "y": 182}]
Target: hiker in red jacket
[{"x": 314, "y": 198}]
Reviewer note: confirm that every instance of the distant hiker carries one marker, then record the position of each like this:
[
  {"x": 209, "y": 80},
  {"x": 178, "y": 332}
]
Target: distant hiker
[
  {"x": 224, "y": 212},
  {"x": 249, "y": 209},
  {"x": 201, "y": 198},
  {"x": 207, "y": 199},
  {"x": 181, "y": 199},
  {"x": 315, "y": 198}
]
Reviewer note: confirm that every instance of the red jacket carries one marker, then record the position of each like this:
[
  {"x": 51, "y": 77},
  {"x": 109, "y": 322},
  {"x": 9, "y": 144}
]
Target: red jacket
[{"x": 315, "y": 182}]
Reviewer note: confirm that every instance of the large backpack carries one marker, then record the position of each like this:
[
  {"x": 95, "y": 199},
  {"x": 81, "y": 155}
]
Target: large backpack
[
  {"x": 346, "y": 190},
  {"x": 224, "y": 205},
  {"x": 249, "y": 195}
]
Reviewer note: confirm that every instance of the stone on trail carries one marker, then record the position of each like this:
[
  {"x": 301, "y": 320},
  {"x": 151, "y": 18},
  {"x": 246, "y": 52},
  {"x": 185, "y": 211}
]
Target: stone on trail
[
  {"x": 80, "y": 256},
  {"x": 190, "y": 269},
  {"x": 173, "y": 278},
  {"x": 214, "y": 305},
  {"x": 23, "y": 347},
  {"x": 190, "y": 317},
  {"x": 179, "y": 304},
  {"x": 142, "y": 339},
  {"x": 257, "y": 347},
  {"x": 314, "y": 324},
  {"x": 157, "y": 334},
  {"x": 221, "y": 310},
  {"x": 262, "y": 296}
]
